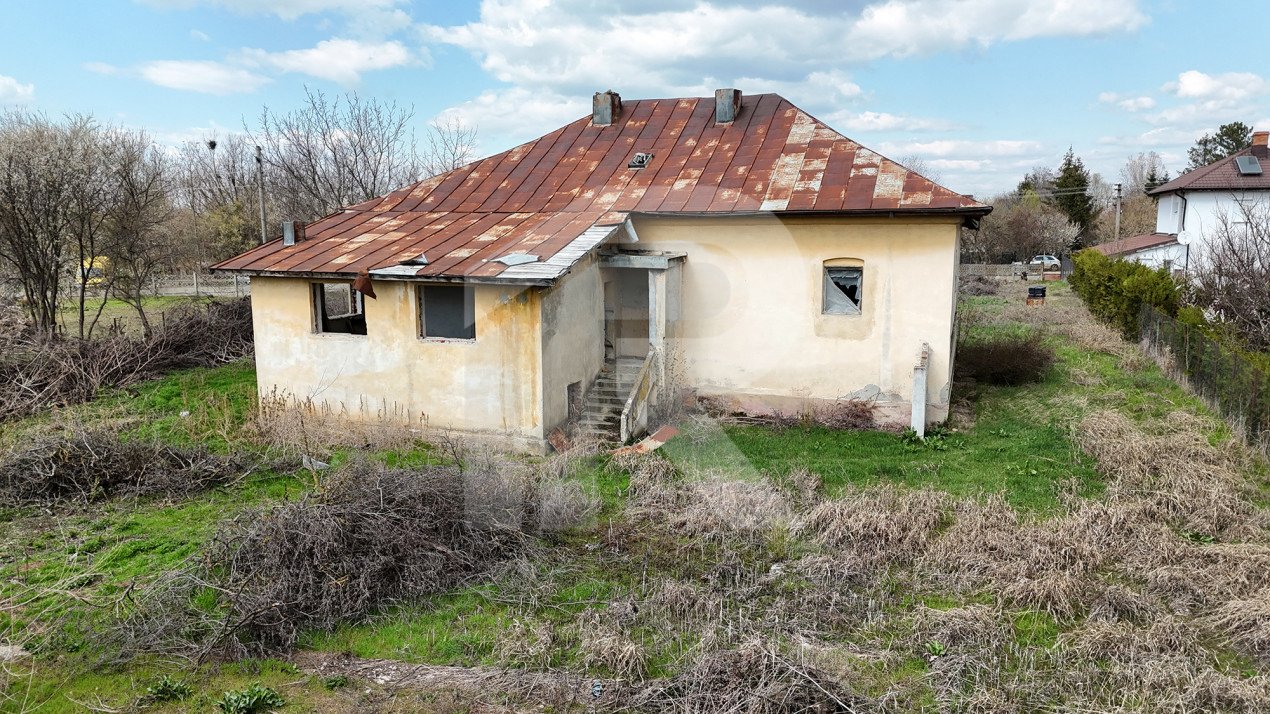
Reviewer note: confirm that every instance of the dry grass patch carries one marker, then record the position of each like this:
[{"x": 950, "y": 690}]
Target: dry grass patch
[{"x": 878, "y": 526}]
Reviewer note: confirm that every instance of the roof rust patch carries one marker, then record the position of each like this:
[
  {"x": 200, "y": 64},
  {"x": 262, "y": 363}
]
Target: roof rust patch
[{"x": 538, "y": 198}]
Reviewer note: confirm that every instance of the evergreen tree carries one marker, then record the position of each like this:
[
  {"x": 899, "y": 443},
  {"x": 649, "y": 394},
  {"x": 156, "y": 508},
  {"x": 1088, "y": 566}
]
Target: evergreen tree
[
  {"x": 1155, "y": 179},
  {"x": 1228, "y": 139},
  {"x": 1071, "y": 196}
]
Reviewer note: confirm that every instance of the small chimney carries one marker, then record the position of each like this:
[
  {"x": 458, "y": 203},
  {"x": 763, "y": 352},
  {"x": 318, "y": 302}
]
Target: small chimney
[
  {"x": 1259, "y": 141},
  {"x": 605, "y": 108},
  {"x": 292, "y": 231},
  {"x": 727, "y": 104}
]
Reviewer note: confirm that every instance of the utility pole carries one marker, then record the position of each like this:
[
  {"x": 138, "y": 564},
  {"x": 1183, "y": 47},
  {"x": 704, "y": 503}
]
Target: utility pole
[
  {"x": 259, "y": 181},
  {"x": 1117, "y": 236}
]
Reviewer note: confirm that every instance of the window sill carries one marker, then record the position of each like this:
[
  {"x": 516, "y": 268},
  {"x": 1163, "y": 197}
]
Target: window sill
[
  {"x": 448, "y": 340},
  {"x": 338, "y": 335}
]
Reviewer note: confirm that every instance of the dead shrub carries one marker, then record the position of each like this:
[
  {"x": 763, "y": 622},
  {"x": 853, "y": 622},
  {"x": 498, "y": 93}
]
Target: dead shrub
[
  {"x": 609, "y": 646},
  {"x": 1005, "y": 359},
  {"x": 526, "y": 644},
  {"x": 1247, "y": 623},
  {"x": 38, "y": 372},
  {"x": 845, "y": 415},
  {"x": 87, "y": 465},
  {"x": 1178, "y": 475},
  {"x": 306, "y": 427},
  {"x": 369, "y": 536},
  {"x": 723, "y": 509},
  {"x": 977, "y": 285},
  {"x": 880, "y": 526},
  {"x": 752, "y": 678},
  {"x": 680, "y": 602},
  {"x": 972, "y": 627}
]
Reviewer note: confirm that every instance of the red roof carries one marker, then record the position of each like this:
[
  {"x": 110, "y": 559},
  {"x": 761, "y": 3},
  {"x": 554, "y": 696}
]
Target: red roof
[
  {"x": 1222, "y": 175},
  {"x": 541, "y": 197},
  {"x": 1133, "y": 244}
]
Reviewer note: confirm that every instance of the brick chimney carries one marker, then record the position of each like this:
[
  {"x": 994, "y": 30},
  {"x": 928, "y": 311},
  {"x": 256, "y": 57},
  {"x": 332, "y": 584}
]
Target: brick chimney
[
  {"x": 727, "y": 104},
  {"x": 1259, "y": 141},
  {"x": 605, "y": 108}
]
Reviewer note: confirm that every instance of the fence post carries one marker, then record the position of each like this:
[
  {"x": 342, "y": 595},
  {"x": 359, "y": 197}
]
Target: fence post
[{"x": 196, "y": 290}]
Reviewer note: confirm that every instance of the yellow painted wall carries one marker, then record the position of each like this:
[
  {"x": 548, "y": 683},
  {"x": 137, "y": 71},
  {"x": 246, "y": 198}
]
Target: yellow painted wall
[
  {"x": 573, "y": 337},
  {"x": 752, "y": 326},
  {"x": 491, "y": 385}
]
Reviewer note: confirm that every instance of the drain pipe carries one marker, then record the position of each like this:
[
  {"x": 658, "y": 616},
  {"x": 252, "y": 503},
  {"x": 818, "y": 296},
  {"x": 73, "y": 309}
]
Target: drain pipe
[{"x": 919, "y": 390}]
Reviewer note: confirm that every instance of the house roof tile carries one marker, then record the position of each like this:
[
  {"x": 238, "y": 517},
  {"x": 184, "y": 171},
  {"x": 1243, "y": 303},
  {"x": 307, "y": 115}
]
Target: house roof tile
[
  {"x": 1133, "y": 244},
  {"x": 541, "y": 197},
  {"x": 1221, "y": 175}
]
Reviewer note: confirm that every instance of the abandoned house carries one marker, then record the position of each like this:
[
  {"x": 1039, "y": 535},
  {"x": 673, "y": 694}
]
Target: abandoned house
[{"x": 734, "y": 247}]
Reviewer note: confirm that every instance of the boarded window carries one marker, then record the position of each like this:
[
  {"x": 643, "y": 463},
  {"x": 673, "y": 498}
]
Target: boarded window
[
  {"x": 843, "y": 289},
  {"x": 338, "y": 309},
  {"x": 447, "y": 311}
]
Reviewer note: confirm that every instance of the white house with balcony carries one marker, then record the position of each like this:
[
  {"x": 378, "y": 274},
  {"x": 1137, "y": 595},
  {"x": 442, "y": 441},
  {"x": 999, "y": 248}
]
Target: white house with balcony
[{"x": 1191, "y": 207}]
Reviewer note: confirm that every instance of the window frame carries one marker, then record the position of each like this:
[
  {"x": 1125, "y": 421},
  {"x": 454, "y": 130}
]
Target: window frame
[
  {"x": 317, "y": 299},
  {"x": 469, "y": 308},
  {"x": 827, "y": 284}
]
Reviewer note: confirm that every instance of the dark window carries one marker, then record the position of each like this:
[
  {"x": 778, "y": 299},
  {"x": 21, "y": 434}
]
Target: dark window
[
  {"x": 447, "y": 311},
  {"x": 338, "y": 309},
  {"x": 844, "y": 288}
]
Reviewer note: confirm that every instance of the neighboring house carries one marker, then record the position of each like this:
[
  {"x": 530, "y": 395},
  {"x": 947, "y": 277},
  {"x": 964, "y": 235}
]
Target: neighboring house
[
  {"x": 737, "y": 248},
  {"x": 1155, "y": 250},
  {"x": 1193, "y": 205}
]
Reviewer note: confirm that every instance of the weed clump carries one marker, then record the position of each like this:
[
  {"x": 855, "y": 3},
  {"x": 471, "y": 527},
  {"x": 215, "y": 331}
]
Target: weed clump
[
  {"x": 87, "y": 465},
  {"x": 1008, "y": 360},
  {"x": 370, "y": 536}
]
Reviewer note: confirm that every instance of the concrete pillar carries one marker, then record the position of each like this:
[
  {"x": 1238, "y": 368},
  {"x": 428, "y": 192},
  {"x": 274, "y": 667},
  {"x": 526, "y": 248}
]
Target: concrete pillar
[{"x": 918, "y": 422}]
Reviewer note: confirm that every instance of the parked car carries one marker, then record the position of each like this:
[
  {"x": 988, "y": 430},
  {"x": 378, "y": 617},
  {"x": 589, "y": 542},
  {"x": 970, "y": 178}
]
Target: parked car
[{"x": 1046, "y": 262}]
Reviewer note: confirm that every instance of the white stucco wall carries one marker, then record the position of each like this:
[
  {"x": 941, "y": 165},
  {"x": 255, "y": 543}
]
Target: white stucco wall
[
  {"x": 752, "y": 327},
  {"x": 1193, "y": 215}
]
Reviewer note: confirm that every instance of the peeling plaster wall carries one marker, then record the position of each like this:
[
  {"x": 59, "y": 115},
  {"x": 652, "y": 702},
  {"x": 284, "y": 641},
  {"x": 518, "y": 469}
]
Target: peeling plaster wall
[
  {"x": 752, "y": 328},
  {"x": 572, "y": 337},
  {"x": 490, "y": 387}
]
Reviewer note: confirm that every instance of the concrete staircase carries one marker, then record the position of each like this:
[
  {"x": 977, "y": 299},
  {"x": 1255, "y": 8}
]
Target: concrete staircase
[{"x": 602, "y": 410}]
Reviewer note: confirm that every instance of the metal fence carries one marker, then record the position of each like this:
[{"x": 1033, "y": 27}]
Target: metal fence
[
  {"x": 200, "y": 284},
  {"x": 1238, "y": 389}
]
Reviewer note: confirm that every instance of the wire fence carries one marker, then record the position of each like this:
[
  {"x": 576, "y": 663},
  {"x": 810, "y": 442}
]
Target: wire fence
[{"x": 1238, "y": 389}]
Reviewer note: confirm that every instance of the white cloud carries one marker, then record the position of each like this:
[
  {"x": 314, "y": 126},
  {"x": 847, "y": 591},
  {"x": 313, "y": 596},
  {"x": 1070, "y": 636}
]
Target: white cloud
[
  {"x": 883, "y": 121},
  {"x": 14, "y": 92},
  {"x": 199, "y": 35},
  {"x": 1129, "y": 104},
  {"x": 1229, "y": 87},
  {"x": 338, "y": 60},
  {"x": 102, "y": 68},
  {"x": 959, "y": 148},
  {"x": 902, "y": 28},
  {"x": 581, "y": 46},
  {"x": 517, "y": 115},
  {"x": 202, "y": 76}
]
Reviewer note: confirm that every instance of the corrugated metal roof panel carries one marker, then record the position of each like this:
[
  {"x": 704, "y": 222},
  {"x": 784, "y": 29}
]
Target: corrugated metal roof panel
[{"x": 543, "y": 197}]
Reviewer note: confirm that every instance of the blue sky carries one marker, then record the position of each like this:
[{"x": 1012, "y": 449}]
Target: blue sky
[{"x": 982, "y": 90}]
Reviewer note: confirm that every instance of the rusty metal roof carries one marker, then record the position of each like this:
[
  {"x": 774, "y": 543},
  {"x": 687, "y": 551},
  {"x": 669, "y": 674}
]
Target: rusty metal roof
[{"x": 541, "y": 198}]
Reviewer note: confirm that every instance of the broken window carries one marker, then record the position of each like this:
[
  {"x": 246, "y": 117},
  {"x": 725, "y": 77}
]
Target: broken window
[
  {"x": 447, "y": 311},
  {"x": 338, "y": 309},
  {"x": 843, "y": 289}
]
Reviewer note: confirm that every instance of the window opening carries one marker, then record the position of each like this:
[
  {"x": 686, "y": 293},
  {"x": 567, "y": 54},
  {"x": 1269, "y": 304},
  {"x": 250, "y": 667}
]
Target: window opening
[
  {"x": 843, "y": 289},
  {"x": 447, "y": 311},
  {"x": 339, "y": 309}
]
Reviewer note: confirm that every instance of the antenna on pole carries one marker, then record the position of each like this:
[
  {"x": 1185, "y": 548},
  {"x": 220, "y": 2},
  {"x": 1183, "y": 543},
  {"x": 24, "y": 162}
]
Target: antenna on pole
[{"x": 260, "y": 182}]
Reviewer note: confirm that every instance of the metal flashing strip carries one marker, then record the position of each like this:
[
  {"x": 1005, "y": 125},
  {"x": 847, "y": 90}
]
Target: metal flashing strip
[{"x": 559, "y": 264}]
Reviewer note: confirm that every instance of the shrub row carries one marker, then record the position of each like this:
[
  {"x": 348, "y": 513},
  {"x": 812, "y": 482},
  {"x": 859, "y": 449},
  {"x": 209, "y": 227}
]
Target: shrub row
[{"x": 1116, "y": 290}]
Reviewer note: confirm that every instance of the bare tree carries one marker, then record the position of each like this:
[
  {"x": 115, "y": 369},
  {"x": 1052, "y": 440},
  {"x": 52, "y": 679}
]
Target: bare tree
[
  {"x": 140, "y": 247},
  {"x": 1233, "y": 274},
  {"x": 920, "y": 166},
  {"x": 451, "y": 144},
  {"x": 1140, "y": 170},
  {"x": 336, "y": 152},
  {"x": 1018, "y": 228},
  {"x": 215, "y": 181},
  {"x": 39, "y": 172}
]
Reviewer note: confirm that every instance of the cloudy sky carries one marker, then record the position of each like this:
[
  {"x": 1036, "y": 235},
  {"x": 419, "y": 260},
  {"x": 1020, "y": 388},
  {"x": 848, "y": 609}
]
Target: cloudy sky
[{"x": 982, "y": 90}]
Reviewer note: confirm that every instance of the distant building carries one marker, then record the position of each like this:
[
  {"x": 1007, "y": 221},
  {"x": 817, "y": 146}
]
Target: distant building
[
  {"x": 1193, "y": 205},
  {"x": 735, "y": 246}
]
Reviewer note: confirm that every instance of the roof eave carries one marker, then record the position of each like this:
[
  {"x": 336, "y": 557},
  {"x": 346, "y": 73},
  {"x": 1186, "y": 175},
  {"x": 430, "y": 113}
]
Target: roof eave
[{"x": 309, "y": 275}]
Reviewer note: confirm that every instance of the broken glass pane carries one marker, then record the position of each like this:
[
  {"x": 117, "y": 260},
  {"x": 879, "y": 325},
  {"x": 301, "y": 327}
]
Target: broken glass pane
[{"x": 843, "y": 291}]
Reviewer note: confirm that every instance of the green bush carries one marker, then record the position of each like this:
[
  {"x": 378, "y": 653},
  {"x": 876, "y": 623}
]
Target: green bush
[
  {"x": 1116, "y": 290},
  {"x": 253, "y": 699}
]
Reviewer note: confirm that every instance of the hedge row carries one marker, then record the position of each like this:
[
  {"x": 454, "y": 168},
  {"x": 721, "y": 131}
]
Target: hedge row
[{"x": 1116, "y": 290}]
